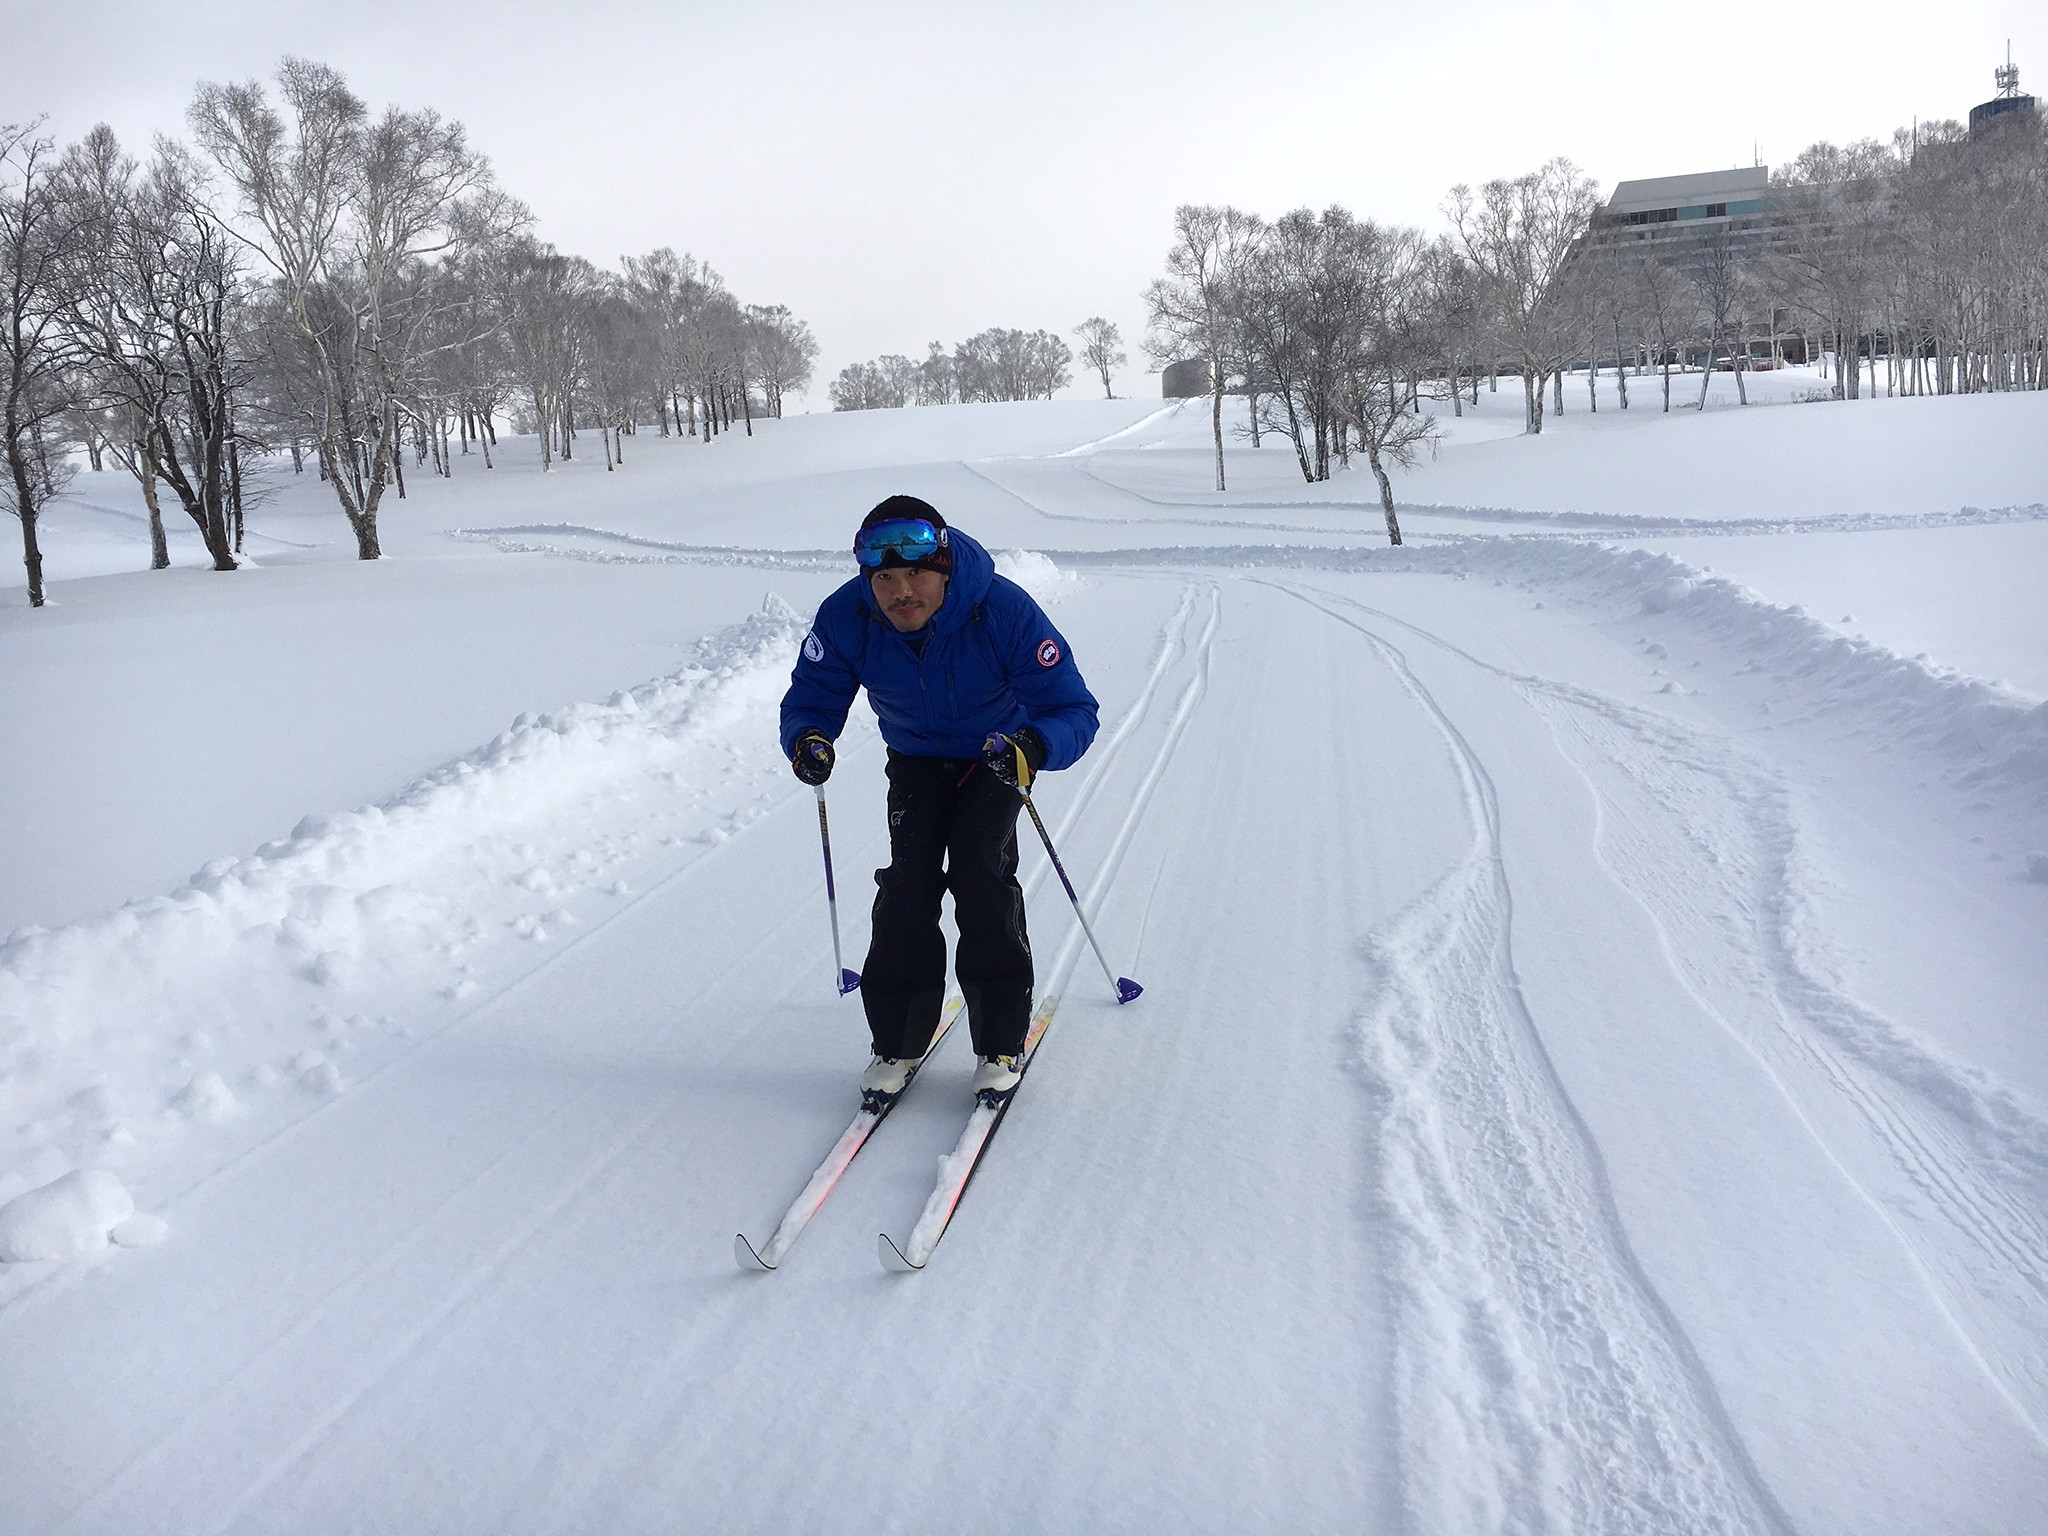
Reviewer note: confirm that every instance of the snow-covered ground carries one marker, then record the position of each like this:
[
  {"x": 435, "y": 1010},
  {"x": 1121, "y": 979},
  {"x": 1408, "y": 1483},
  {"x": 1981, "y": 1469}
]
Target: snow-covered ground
[{"x": 1591, "y": 1076}]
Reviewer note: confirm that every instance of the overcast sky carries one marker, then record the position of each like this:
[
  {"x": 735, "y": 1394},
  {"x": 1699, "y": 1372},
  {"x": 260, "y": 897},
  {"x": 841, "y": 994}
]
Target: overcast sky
[{"x": 906, "y": 173}]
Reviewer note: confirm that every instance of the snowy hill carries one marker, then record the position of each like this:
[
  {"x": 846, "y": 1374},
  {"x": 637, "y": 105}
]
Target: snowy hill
[{"x": 1591, "y": 1075}]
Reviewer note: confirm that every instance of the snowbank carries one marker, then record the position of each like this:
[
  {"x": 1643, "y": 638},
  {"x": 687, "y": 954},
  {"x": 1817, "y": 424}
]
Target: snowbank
[
  {"x": 1989, "y": 737},
  {"x": 264, "y": 973},
  {"x": 1037, "y": 574},
  {"x": 72, "y": 1216}
]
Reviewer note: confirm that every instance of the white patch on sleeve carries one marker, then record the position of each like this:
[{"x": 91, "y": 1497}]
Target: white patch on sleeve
[{"x": 814, "y": 648}]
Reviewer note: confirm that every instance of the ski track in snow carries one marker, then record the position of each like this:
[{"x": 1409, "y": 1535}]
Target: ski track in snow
[
  {"x": 1710, "y": 829},
  {"x": 1972, "y": 1150},
  {"x": 1110, "y": 748},
  {"x": 1543, "y": 1384},
  {"x": 1174, "y": 648}
]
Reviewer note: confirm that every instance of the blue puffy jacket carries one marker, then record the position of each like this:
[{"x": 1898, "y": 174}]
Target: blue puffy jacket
[{"x": 992, "y": 662}]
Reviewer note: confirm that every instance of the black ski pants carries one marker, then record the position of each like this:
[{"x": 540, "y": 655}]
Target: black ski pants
[{"x": 952, "y": 827}]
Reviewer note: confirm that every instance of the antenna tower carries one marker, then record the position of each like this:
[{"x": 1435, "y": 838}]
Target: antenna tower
[{"x": 2007, "y": 74}]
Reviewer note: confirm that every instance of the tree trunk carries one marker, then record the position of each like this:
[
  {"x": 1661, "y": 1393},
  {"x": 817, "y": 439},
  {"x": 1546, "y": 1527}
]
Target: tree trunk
[
  {"x": 1620, "y": 366},
  {"x": 1216, "y": 417},
  {"x": 235, "y": 487},
  {"x": 1379, "y": 473},
  {"x": 27, "y": 506},
  {"x": 1295, "y": 435},
  {"x": 159, "y": 544}
]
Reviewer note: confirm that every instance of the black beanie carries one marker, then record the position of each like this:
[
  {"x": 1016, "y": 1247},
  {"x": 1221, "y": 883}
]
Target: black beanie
[{"x": 894, "y": 507}]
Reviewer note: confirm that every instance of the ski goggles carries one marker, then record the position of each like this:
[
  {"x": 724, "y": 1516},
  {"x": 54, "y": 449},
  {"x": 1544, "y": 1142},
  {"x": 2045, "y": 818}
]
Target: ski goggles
[{"x": 909, "y": 538}]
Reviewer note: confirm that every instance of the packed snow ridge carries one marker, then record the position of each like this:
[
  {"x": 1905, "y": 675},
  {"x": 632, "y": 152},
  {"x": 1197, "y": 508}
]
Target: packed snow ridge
[{"x": 111, "y": 1031}]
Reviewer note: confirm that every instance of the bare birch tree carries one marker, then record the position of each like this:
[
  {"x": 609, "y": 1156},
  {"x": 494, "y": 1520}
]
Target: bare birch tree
[
  {"x": 1519, "y": 234},
  {"x": 785, "y": 352},
  {"x": 1101, "y": 350},
  {"x": 37, "y": 350},
  {"x": 1190, "y": 309},
  {"x": 344, "y": 209},
  {"x": 1391, "y": 276},
  {"x": 157, "y": 309}
]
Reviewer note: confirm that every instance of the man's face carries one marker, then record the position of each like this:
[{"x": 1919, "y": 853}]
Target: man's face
[{"x": 909, "y": 597}]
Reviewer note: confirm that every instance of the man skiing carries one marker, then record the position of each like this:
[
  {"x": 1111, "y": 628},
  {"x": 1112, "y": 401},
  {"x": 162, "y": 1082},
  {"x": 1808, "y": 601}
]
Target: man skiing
[{"x": 976, "y": 693}]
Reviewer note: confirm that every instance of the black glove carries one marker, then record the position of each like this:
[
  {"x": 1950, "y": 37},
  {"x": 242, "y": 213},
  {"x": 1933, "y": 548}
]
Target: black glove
[
  {"x": 1015, "y": 759},
  {"x": 813, "y": 760}
]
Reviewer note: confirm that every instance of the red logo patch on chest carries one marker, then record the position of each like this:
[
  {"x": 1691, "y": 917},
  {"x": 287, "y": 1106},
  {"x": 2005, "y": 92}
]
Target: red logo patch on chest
[{"x": 1048, "y": 653}]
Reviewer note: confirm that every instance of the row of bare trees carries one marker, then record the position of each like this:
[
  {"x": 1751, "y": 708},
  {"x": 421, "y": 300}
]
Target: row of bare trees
[
  {"x": 307, "y": 277},
  {"x": 1333, "y": 325},
  {"x": 996, "y": 364},
  {"x": 1931, "y": 253},
  {"x": 1917, "y": 267}
]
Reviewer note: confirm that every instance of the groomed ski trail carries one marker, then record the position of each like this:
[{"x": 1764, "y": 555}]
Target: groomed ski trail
[
  {"x": 1961, "y": 1161},
  {"x": 1544, "y": 1385}
]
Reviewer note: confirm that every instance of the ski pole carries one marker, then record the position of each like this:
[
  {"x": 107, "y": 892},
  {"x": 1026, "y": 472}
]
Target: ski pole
[
  {"x": 848, "y": 980},
  {"x": 1126, "y": 989}
]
